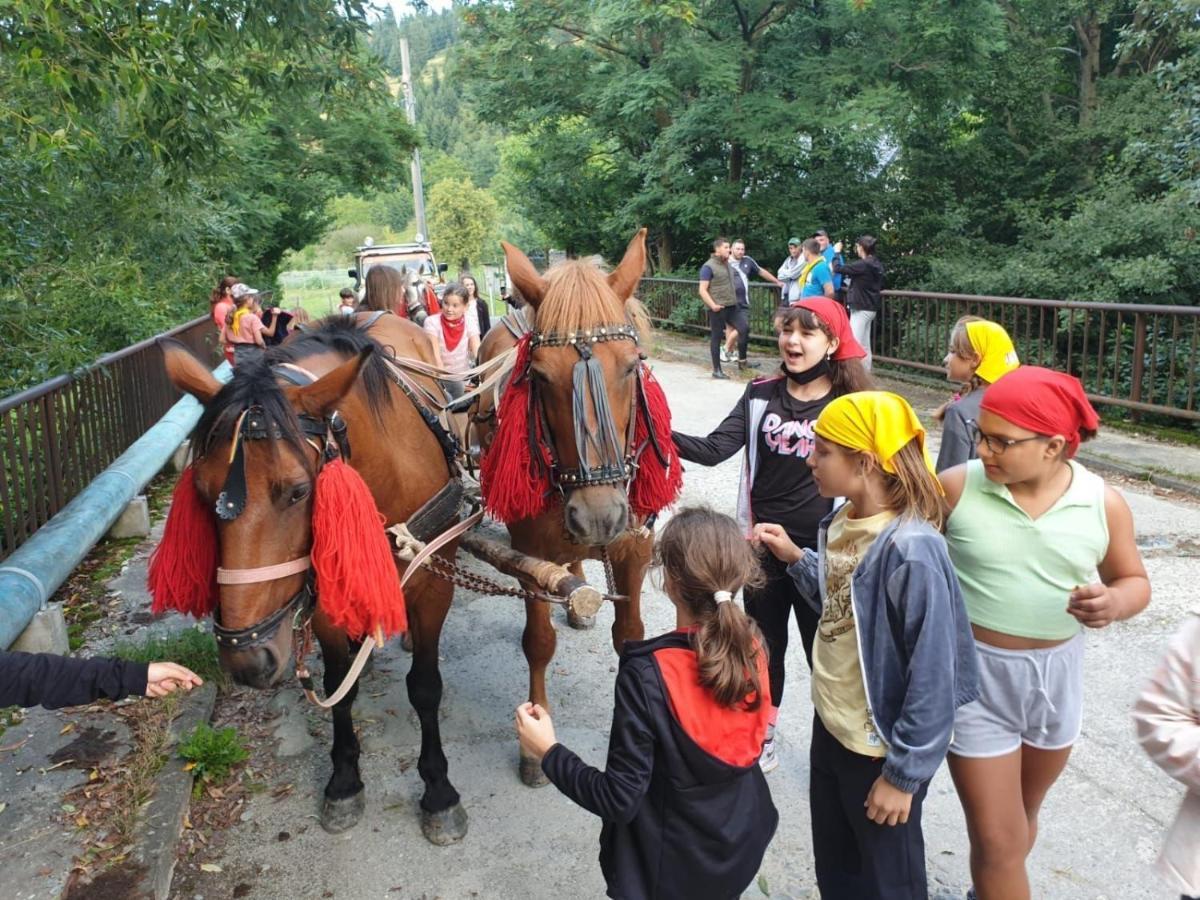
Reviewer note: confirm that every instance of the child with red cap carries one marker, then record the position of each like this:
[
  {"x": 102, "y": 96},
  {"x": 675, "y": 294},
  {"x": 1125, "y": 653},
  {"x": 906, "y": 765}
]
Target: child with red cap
[
  {"x": 1029, "y": 527},
  {"x": 774, "y": 422}
]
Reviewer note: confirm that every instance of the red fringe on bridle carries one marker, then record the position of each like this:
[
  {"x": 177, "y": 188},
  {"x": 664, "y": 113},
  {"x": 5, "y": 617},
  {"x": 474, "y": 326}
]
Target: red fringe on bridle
[
  {"x": 515, "y": 484},
  {"x": 183, "y": 568},
  {"x": 654, "y": 486},
  {"x": 357, "y": 584}
]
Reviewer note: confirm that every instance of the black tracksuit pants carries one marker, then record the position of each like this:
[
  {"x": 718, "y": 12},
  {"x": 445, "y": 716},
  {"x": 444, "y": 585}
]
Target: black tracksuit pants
[
  {"x": 855, "y": 858},
  {"x": 772, "y": 607},
  {"x": 717, "y": 320}
]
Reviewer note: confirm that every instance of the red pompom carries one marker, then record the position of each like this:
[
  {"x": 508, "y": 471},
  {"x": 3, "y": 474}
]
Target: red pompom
[
  {"x": 358, "y": 587},
  {"x": 183, "y": 568},
  {"x": 514, "y": 484},
  {"x": 654, "y": 486}
]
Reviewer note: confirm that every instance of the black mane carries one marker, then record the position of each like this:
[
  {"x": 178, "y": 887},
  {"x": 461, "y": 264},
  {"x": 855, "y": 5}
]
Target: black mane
[{"x": 254, "y": 384}]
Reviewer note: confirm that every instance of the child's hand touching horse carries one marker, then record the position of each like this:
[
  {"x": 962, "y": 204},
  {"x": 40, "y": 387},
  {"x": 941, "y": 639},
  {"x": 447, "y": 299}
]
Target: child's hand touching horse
[{"x": 535, "y": 731}]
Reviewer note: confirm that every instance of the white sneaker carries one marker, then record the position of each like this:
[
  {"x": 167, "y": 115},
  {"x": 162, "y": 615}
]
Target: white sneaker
[
  {"x": 725, "y": 357},
  {"x": 768, "y": 761}
]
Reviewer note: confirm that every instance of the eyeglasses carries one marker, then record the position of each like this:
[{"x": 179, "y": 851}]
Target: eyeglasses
[{"x": 996, "y": 445}]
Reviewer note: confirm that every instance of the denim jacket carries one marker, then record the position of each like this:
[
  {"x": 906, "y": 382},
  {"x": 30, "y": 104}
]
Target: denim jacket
[{"x": 915, "y": 646}]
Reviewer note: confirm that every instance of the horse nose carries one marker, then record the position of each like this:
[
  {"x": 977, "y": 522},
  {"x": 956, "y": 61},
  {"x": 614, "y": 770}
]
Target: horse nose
[
  {"x": 257, "y": 667},
  {"x": 596, "y": 516}
]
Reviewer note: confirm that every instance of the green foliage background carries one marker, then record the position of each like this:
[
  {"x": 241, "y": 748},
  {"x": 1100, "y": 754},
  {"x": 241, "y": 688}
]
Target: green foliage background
[{"x": 147, "y": 148}]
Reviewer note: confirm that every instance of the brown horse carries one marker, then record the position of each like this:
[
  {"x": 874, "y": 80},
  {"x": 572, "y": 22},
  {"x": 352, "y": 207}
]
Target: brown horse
[
  {"x": 594, "y": 514},
  {"x": 402, "y": 462}
]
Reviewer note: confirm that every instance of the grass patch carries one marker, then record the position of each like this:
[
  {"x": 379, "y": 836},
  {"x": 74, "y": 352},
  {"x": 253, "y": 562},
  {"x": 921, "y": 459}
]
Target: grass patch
[
  {"x": 189, "y": 647},
  {"x": 9, "y": 716},
  {"x": 211, "y": 754}
]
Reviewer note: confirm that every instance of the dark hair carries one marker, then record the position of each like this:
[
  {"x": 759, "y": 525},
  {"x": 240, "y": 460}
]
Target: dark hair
[
  {"x": 719, "y": 240},
  {"x": 222, "y": 286},
  {"x": 474, "y": 281},
  {"x": 867, "y": 242},
  {"x": 702, "y": 552},
  {"x": 812, "y": 245},
  {"x": 457, "y": 289},
  {"x": 346, "y": 292},
  {"x": 847, "y": 375},
  {"x": 386, "y": 291}
]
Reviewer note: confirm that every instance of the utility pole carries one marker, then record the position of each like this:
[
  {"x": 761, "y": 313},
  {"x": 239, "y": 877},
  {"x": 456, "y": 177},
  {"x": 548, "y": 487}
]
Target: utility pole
[{"x": 410, "y": 107}]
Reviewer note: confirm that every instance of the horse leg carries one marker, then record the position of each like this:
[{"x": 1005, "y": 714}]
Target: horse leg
[
  {"x": 629, "y": 571},
  {"x": 538, "y": 642},
  {"x": 344, "y": 796},
  {"x": 443, "y": 819},
  {"x": 579, "y": 623}
]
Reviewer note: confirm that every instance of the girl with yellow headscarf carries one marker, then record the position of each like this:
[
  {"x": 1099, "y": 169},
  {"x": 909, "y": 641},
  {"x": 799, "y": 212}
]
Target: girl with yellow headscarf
[
  {"x": 894, "y": 657},
  {"x": 980, "y": 352}
]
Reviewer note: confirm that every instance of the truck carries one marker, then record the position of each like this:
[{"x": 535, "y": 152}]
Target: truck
[{"x": 415, "y": 257}]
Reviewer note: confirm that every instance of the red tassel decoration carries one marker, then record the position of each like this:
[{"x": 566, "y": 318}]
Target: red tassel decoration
[
  {"x": 513, "y": 486},
  {"x": 183, "y": 568},
  {"x": 357, "y": 584},
  {"x": 654, "y": 487}
]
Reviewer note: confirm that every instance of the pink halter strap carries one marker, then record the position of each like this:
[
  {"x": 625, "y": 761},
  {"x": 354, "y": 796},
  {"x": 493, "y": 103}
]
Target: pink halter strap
[{"x": 263, "y": 573}]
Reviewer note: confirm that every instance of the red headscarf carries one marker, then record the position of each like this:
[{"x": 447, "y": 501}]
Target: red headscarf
[
  {"x": 1044, "y": 401},
  {"x": 834, "y": 315}
]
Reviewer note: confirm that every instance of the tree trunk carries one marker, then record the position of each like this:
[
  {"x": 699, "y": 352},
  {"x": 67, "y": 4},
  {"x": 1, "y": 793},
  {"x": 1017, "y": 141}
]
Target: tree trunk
[
  {"x": 664, "y": 250},
  {"x": 1087, "y": 28}
]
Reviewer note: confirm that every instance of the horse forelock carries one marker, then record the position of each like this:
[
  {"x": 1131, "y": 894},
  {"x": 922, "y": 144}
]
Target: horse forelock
[{"x": 577, "y": 296}]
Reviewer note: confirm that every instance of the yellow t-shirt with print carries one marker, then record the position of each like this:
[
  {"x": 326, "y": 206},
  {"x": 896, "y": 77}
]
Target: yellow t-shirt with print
[{"x": 838, "y": 692}]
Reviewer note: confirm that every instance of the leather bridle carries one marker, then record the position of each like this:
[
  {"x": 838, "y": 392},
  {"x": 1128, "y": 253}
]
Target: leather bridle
[{"x": 588, "y": 390}]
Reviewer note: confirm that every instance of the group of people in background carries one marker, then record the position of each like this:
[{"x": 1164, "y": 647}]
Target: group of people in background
[
  {"x": 941, "y": 612},
  {"x": 245, "y": 328},
  {"x": 814, "y": 267}
]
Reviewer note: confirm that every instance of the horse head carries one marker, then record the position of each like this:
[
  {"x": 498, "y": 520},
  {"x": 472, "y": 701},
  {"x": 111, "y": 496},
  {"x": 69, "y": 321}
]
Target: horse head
[
  {"x": 584, "y": 365},
  {"x": 257, "y": 451}
]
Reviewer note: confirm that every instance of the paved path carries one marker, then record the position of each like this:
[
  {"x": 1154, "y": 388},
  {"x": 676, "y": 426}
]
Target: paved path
[{"x": 1101, "y": 826}]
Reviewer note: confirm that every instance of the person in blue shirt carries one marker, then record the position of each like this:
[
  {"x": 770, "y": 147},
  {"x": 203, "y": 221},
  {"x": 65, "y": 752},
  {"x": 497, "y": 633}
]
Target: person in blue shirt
[
  {"x": 831, "y": 253},
  {"x": 816, "y": 278}
]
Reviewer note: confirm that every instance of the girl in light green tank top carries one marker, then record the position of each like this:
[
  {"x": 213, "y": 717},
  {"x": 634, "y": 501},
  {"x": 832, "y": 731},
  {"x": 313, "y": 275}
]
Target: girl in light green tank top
[{"x": 1029, "y": 529}]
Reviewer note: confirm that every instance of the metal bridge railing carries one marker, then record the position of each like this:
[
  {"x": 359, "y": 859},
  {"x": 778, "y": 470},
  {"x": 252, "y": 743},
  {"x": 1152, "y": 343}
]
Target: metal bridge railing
[
  {"x": 58, "y": 436},
  {"x": 1139, "y": 357}
]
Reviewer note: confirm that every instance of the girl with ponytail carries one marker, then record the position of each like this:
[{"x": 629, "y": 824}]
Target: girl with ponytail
[{"x": 688, "y": 727}]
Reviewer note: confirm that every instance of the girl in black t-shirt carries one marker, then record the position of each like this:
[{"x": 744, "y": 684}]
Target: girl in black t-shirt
[{"x": 773, "y": 421}]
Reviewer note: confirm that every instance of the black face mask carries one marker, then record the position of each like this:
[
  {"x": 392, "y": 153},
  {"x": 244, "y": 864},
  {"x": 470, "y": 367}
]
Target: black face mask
[{"x": 821, "y": 368}]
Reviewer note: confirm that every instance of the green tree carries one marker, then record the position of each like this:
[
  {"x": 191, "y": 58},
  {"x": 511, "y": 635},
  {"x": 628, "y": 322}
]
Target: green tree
[{"x": 462, "y": 223}]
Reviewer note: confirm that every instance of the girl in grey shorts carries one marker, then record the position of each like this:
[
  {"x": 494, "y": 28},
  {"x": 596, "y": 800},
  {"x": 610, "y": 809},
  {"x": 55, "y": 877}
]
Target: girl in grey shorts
[{"x": 1029, "y": 528}]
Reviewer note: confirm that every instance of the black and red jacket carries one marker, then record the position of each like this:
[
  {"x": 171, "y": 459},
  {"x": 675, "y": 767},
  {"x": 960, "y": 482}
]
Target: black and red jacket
[{"x": 687, "y": 812}]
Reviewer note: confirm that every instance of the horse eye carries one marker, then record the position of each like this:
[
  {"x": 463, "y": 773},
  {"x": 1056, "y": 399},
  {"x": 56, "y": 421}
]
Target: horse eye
[{"x": 299, "y": 492}]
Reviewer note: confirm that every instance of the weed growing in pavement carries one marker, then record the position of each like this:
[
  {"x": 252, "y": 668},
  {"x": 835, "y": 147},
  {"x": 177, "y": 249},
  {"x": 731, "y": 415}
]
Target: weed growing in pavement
[
  {"x": 211, "y": 753},
  {"x": 189, "y": 647},
  {"x": 9, "y": 716}
]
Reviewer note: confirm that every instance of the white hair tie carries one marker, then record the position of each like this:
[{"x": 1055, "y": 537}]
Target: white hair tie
[{"x": 722, "y": 596}]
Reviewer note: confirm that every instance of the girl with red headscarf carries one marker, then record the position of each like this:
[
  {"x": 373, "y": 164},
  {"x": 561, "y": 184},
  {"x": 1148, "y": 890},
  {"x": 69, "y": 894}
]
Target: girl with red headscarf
[
  {"x": 774, "y": 421},
  {"x": 1028, "y": 528}
]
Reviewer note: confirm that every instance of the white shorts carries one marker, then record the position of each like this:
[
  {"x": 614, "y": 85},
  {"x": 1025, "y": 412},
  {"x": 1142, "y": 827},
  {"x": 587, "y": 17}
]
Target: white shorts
[{"x": 1032, "y": 697}]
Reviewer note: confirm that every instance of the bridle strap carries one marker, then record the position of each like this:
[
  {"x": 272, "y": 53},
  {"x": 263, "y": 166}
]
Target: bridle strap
[{"x": 264, "y": 573}]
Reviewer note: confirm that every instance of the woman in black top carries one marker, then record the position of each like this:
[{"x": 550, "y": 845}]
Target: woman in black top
[
  {"x": 864, "y": 298},
  {"x": 774, "y": 423},
  {"x": 477, "y": 303}
]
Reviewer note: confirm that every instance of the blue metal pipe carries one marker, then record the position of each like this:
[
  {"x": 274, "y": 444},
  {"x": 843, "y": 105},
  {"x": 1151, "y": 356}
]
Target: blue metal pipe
[{"x": 31, "y": 575}]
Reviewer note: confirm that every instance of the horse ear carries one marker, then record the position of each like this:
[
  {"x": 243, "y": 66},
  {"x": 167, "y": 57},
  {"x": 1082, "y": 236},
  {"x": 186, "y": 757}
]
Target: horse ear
[
  {"x": 187, "y": 373},
  {"x": 625, "y": 277},
  {"x": 323, "y": 395},
  {"x": 525, "y": 277}
]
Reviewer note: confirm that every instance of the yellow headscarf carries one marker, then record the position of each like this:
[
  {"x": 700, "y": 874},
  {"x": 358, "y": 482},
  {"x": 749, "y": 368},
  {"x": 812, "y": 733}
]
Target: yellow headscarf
[
  {"x": 237, "y": 319},
  {"x": 997, "y": 355},
  {"x": 878, "y": 422}
]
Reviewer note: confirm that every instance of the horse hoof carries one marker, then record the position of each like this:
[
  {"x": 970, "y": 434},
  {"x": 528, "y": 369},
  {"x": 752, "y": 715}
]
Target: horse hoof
[
  {"x": 578, "y": 622},
  {"x": 342, "y": 815},
  {"x": 446, "y": 827},
  {"x": 406, "y": 641},
  {"x": 531, "y": 772}
]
